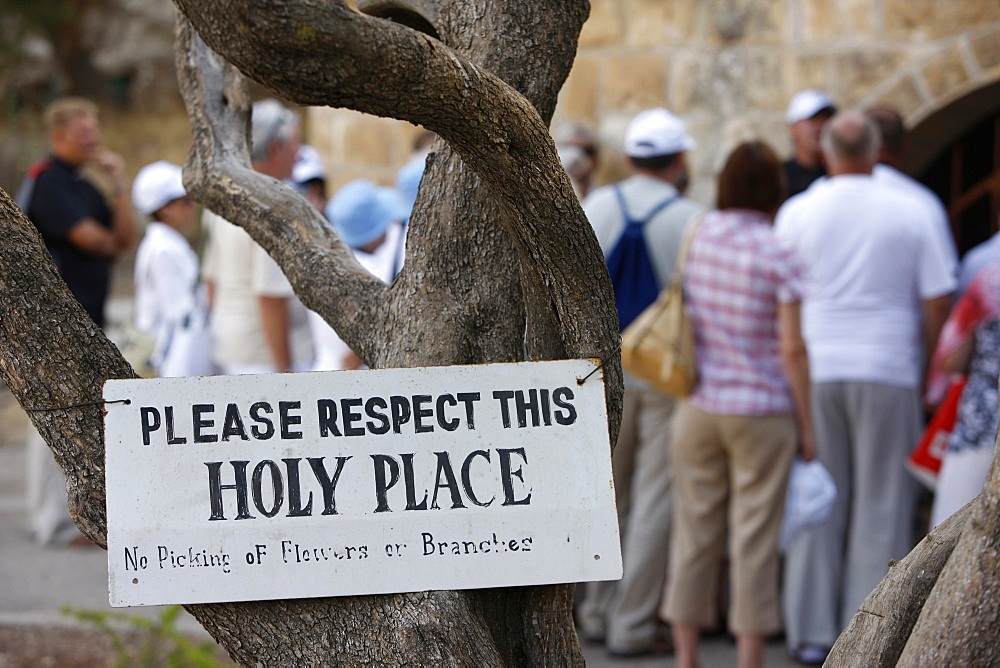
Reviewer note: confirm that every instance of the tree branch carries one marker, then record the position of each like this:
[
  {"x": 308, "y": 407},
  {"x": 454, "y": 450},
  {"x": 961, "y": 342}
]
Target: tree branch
[
  {"x": 371, "y": 65},
  {"x": 322, "y": 269},
  {"x": 880, "y": 629},
  {"x": 960, "y": 622},
  {"x": 55, "y": 361}
]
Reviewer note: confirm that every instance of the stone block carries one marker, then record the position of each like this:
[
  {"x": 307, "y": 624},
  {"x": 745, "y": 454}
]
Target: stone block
[
  {"x": 727, "y": 83},
  {"x": 581, "y": 94},
  {"x": 635, "y": 83},
  {"x": 945, "y": 72},
  {"x": 930, "y": 19},
  {"x": 806, "y": 70},
  {"x": 826, "y": 21},
  {"x": 858, "y": 72},
  {"x": 765, "y": 80},
  {"x": 720, "y": 85},
  {"x": 604, "y": 27},
  {"x": 369, "y": 141},
  {"x": 655, "y": 24},
  {"x": 746, "y": 22},
  {"x": 318, "y": 131},
  {"x": 986, "y": 49},
  {"x": 687, "y": 70},
  {"x": 903, "y": 95}
]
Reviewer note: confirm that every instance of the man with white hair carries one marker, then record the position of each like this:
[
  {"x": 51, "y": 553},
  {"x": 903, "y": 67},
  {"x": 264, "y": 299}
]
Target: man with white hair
[
  {"x": 878, "y": 291},
  {"x": 258, "y": 324},
  {"x": 639, "y": 223}
]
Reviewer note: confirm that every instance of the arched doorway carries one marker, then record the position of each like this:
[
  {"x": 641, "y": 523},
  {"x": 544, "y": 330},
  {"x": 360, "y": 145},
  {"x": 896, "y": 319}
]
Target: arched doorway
[{"x": 956, "y": 152}]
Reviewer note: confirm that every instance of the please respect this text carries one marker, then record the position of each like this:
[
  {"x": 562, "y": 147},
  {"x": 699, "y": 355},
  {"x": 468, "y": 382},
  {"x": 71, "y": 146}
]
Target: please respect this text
[{"x": 414, "y": 480}]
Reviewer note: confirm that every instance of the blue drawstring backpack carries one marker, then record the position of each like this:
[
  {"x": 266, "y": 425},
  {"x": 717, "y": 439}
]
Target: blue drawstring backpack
[{"x": 630, "y": 266}]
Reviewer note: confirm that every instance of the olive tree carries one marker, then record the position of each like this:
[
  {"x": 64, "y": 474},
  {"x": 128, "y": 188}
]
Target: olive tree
[{"x": 501, "y": 266}]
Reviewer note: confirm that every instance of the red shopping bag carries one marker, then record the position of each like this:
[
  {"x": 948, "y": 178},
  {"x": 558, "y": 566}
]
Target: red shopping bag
[{"x": 925, "y": 460}]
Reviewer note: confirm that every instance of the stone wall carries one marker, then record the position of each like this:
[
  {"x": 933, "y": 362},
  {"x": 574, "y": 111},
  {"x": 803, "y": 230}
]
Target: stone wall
[{"x": 729, "y": 67}]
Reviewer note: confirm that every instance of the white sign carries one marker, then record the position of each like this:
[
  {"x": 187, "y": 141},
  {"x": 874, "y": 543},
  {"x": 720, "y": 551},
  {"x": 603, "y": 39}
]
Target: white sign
[{"x": 240, "y": 488}]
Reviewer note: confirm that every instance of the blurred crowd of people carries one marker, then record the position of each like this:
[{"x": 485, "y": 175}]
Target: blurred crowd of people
[
  {"x": 830, "y": 313},
  {"x": 208, "y": 299}
]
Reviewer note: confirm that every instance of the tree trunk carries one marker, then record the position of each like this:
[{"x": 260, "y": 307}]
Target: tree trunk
[
  {"x": 939, "y": 605},
  {"x": 55, "y": 361},
  {"x": 960, "y": 623},
  {"x": 879, "y": 630}
]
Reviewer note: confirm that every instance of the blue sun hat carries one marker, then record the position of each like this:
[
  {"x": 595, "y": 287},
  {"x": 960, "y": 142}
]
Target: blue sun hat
[{"x": 361, "y": 211}]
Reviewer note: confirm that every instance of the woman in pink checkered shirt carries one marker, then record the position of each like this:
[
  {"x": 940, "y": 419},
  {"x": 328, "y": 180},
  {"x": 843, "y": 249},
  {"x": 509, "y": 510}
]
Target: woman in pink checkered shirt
[{"x": 735, "y": 437}]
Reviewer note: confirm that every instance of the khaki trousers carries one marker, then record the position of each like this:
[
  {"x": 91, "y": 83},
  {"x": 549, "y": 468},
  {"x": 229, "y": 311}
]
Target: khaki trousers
[{"x": 730, "y": 474}]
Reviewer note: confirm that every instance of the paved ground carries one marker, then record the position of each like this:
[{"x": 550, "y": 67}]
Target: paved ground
[{"x": 37, "y": 584}]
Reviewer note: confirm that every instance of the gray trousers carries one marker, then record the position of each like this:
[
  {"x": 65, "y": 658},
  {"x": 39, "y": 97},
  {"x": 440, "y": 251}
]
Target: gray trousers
[
  {"x": 626, "y": 611},
  {"x": 45, "y": 492},
  {"x": 864, "y": 432}
]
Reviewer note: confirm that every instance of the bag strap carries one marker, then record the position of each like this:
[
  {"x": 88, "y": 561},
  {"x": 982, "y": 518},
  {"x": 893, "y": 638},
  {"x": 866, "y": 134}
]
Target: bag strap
[
  {"x": 629, "y": 220},
  {"x": 684, "y": 250},
  {"x": 676, "y": 279}
]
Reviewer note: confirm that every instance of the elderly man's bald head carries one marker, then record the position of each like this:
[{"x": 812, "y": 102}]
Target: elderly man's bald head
[{"x": 851, "y": 142}]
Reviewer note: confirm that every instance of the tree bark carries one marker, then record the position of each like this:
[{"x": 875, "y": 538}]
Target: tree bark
[
  {"x": 55, "y": 360},
  {"x": 880, "y": 629},
  {"x": 960, "y": 622}
]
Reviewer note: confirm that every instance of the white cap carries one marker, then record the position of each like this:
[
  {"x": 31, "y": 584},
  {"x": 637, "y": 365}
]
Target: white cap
[
  {"x": 156, "y": 185},
  {"x": 656, "y": 132},
  {"x": 308, "y": 165},
  {"x": 807, "y": 103}
]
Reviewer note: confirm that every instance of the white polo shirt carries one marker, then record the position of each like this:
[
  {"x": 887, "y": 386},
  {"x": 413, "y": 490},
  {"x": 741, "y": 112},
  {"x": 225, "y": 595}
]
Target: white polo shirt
[
  {"x": 872, "y": 257},
  {"x": 890, "y": 176}
]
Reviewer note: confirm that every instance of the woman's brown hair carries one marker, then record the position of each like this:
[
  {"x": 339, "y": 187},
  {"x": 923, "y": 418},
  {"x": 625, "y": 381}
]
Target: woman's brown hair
[{"x": 752, "y": 178}]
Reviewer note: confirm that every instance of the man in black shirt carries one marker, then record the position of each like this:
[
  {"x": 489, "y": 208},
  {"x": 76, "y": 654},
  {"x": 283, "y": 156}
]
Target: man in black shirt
[
  {"x": 82, "y": 230},
  {"x": 807, "y": 112}
]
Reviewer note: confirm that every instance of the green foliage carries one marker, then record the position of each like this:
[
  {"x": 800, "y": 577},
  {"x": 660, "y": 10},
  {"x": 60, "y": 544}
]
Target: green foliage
[
  {"x": 41, "y": 15},
  {"x": 21, "y": 18},
  {"x": 57, "y": 20},
  {"x": 140, "y": 642}
]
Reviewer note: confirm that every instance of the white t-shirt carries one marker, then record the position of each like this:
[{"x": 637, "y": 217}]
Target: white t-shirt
[
  {"x": 242, "y": 271},
  {"x": 331, "y": 350},
  {"x": 169, "y": 298},
  {"x": 872, "y": 258},
  {"x": 166, "y": 277},
  {"x": 890, "y": 176}
]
